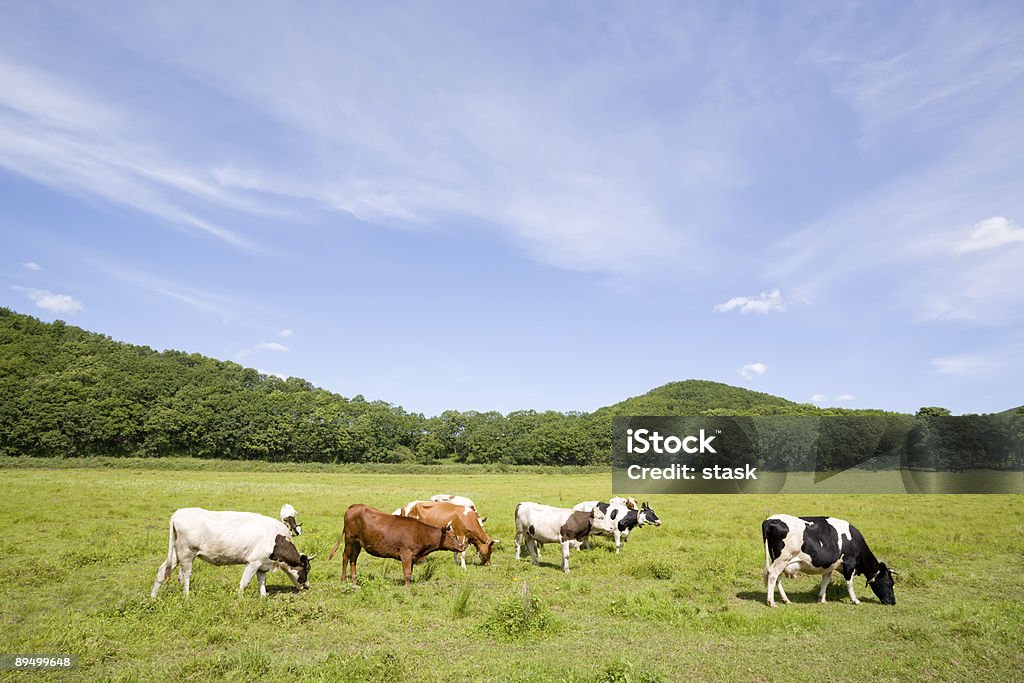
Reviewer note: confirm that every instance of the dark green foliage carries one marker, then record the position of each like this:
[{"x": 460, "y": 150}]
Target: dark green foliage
[
  {"x": 65, "y": 392},
  {"x": 520, "y": 617}
]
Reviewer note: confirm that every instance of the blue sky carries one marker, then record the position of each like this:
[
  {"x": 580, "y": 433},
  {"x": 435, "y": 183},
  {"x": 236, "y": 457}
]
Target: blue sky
[{"x": 529, "y": 205}]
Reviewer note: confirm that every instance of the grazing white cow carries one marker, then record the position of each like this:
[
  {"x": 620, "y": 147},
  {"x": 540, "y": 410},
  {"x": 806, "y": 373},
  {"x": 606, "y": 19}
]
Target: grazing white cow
[
  {"x": 452, "y": 498},
  {"x": 288, "y": 516},
  {"x": 538, "y": 523},
  {"x": 619, "y": 519},
  {"x": 261, "y": 543}
]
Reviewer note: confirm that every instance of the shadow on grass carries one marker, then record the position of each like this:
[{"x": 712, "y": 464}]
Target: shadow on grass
[
  {"x": 282, "y": 588},
  {"x": 806, "y": 598}
]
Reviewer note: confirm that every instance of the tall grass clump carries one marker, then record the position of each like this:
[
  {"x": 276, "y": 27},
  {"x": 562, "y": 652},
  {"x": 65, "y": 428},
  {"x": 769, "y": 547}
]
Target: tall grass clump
[
  {"x": 460, "y": 606},
  {"x": 520, "y": 617}
]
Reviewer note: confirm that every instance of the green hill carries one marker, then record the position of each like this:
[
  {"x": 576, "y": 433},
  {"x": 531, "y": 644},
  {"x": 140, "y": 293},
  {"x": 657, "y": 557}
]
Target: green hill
[
  {"x": 700, "y": 397},
  {"x": 68, "y": 392}
]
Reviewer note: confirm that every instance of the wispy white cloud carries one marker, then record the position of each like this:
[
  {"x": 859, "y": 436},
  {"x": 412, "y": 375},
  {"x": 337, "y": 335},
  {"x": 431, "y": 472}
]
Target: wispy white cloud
[
  {"x": 286, "y": 333},
  {"x": 983, "y": 363},
  {"x": 989, "y": 234},
  {"x": 751, "y": 370},
  {"x": 845, "y": 398},
  {"x": 964, "y": 364},
  {"x": 224, "y": 306},
  {"x": 273, "y": 347},
  {"x": 32, "y": 265},
  {"x": 569, "y": 154},
  {"x": 62, "y": 304},
  {"x": 62, "y": 135},
  {"x": 819, "y": 398},
  {"x": 765, "y": 302}
]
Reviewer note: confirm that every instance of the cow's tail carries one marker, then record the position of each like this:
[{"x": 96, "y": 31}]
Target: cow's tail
[
  {"x": 767, "y": 554},
  {"x": 337, "y": 545},
  {"x": 172, "y": 551}
]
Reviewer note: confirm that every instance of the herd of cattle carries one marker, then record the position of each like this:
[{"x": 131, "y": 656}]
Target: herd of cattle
[{"x": 809, "y": 545}]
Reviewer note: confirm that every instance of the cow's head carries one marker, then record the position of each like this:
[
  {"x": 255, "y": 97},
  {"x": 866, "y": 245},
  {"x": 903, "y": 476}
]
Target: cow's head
[
  {"x": 450, "y": 540},
  {"x": 288, "y": 516},
  {"x": 647, "y": 516},
  {"x": 296, "y": 565},
  {"x": 485, "y": 550},
  {"x": 881, "y": 583}
]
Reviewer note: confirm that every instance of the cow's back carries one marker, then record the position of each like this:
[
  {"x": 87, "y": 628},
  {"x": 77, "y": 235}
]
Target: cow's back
[
  {"x": 465, "y": 522},
  {"x": 226, "y": 536},
  {"x": 385, "y": 535},
  {"x": 542, "y": 522}
]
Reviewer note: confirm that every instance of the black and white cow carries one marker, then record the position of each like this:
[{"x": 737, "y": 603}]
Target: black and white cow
[
  {"x": 619, "y": 520},
  {"x": 820, "y": 545},
  {"x": 537, "y": 524},
  {"x": 261, "y": 543}
]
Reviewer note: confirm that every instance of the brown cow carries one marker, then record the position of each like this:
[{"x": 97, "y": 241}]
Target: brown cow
[
  {"x": 398, "y": 538},
  {"x": 463, "y": 521}
]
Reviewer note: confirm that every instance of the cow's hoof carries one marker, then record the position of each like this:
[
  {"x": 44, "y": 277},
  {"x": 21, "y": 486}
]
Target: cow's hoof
[
  {"x": 772, "y": 604},
  {"x": 786, "y": 601},
  {"x": 856, "y": 602}
]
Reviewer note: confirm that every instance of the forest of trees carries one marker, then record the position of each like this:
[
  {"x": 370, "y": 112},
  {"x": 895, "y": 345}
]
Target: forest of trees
[{"x": 67, "y": 392}]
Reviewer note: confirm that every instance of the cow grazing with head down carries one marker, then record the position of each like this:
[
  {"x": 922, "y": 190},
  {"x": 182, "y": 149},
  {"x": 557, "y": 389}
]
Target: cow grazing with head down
[
  {"x": 390, "y": 536},
  {"x": 464, "y": 522},
  {"x": 536, "y": 524},
  {"x": 619, "y": 519},
  {"x": 288, "y": 517},
  {"x": 261, "y": 543},
  {"x": 821, "y": 545}
]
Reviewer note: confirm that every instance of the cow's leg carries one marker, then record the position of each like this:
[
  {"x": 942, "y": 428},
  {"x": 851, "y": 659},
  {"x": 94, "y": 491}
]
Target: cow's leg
[
  {"x": 565, "y": 556},
  {"x": 517, "y": 542},
  {"x": 247, "y": 574},
  {"x": 162, "y": 574},
  {"x": 261, "y": 577},
  {"x": 618, "y": 539},
  {"x": 826, "y": 578},
  {"x": 349, "y": 559},
  {"x": 849, "y": 587},
  {"x": 773, "y": 574},
  {"x": 773, "y": 580},
  {"x": 531, "y": 545},
  {"x": 185, "y": 571},
  {"x": 407, "y": 567},
  {"x": 782, "y": 591}
]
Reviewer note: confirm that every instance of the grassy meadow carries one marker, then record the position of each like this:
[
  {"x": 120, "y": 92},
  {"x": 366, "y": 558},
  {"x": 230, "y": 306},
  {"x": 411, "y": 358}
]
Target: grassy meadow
[{"x": 684, "y": 601}]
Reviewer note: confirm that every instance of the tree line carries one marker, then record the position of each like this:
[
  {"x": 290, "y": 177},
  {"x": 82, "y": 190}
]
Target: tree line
[{"x": 66, "y": 392}]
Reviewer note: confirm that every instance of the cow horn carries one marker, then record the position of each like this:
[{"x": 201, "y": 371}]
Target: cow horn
[
  {"x": 483, "y": 519},
  {"x": 448, "y": 526},
  {"x": 311, "y": 558}
]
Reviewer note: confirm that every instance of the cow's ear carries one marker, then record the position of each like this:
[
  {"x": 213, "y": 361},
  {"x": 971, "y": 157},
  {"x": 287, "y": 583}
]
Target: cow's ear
[{"x": 278, "y": 543}]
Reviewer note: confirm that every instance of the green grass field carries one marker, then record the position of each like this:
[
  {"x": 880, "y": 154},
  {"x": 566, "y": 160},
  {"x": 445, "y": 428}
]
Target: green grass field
[{"x": 682, "y": 602}]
